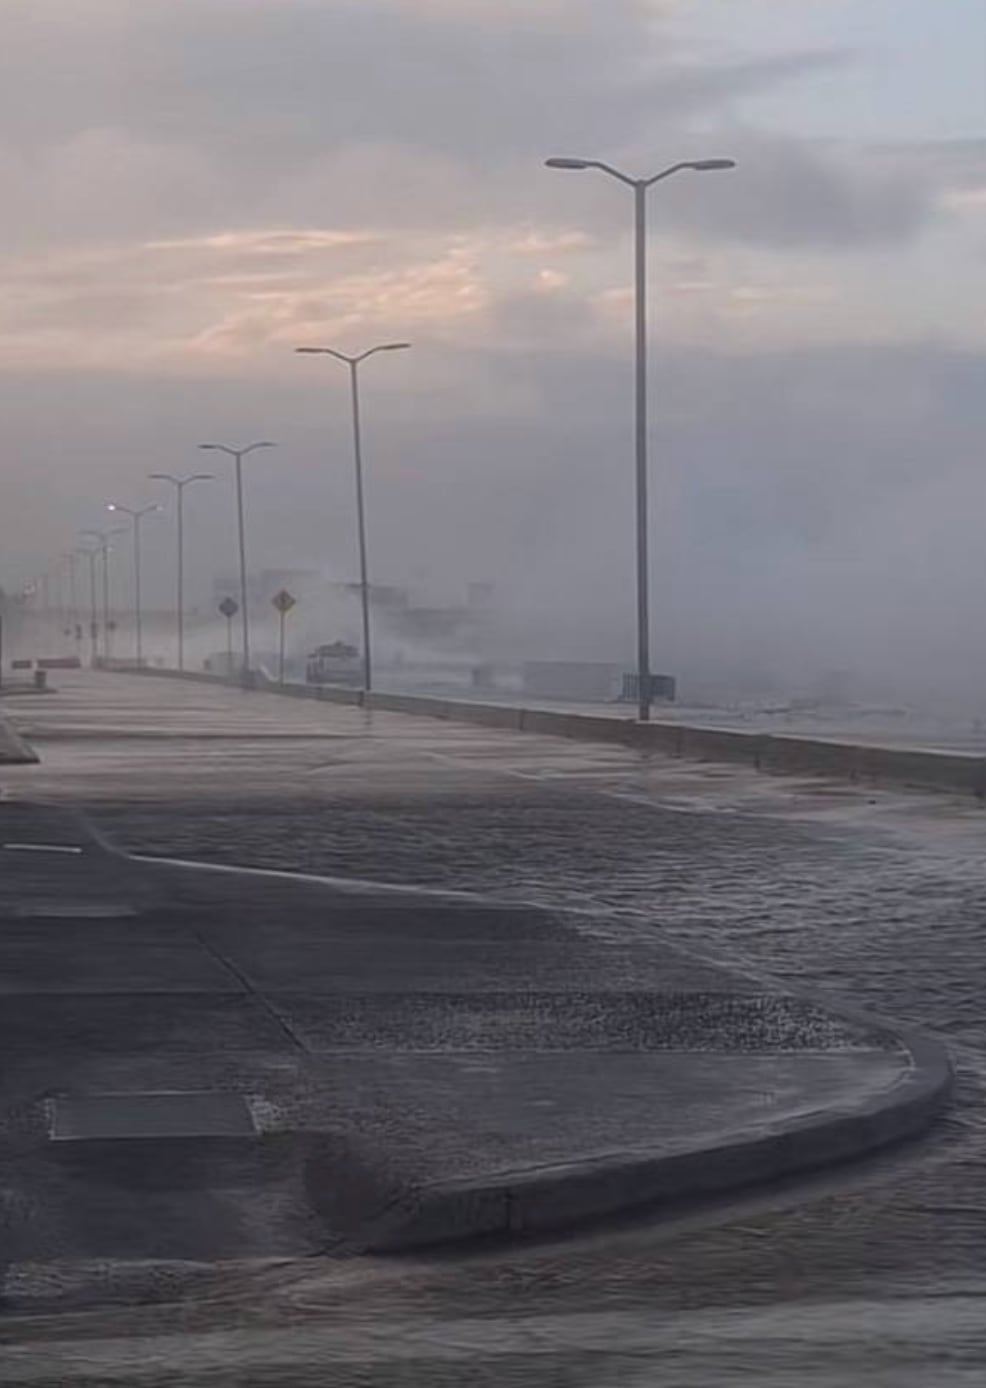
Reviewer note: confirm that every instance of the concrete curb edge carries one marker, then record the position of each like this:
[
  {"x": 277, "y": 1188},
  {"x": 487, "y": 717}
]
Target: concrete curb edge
[{"x": 536, "y": 1201}]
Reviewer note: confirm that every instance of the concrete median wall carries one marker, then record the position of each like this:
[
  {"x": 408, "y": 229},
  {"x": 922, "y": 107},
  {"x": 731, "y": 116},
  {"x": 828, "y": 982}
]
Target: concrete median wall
[
  {"x": 123, "y": 667},
  {"x": 338, "y": 694},
  {"x": 962, "y": 773},
  {"x": 487, "y": 715}
]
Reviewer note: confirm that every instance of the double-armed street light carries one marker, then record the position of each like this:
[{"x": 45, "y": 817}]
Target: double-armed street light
[
  {"x": 90, "y": 552},
  {"x": 238, "y": 454},
  {"x": 72, "y": 561},
  {"x": 136, "y": 514},
  {"x": 640, "y": 188},
  {"x": 179, "y": 484},
  {"x": 354, "y": 362},
  {"x": 103, "y": 537}
]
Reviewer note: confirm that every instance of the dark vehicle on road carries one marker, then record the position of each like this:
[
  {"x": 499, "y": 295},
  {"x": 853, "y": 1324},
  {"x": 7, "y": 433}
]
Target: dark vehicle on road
[{"x": 338, "y": 663}]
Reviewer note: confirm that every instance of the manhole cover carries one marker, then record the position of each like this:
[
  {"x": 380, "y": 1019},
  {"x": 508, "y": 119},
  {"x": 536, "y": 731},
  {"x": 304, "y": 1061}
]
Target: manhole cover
[{"x": 108, "y": 1116}]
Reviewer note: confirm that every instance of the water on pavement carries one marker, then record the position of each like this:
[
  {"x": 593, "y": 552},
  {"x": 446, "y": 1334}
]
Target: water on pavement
[{"x": 869, "y": 1276}]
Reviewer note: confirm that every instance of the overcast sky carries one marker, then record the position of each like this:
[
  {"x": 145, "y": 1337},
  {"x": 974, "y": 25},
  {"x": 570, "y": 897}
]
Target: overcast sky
[{"x": 193, "y": 187}]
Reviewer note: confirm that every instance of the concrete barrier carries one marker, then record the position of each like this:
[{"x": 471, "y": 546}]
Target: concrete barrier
[
  {"x": 291, "y": 691},
  {"x": 583, "y": 726},
  {"x": 486, "y": 715},
  {"x": 114, "y": 667},
  {"x": 912, "y": 766},
  {"x": 418, "y": 704},
  {"x": 962, "y": 773},
  {"x": 339, "y": 694},
  {"x": 811, "y": 756}
]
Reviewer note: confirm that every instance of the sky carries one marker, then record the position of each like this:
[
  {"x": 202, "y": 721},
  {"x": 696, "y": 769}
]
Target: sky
[{"x": 194, "y": 187}]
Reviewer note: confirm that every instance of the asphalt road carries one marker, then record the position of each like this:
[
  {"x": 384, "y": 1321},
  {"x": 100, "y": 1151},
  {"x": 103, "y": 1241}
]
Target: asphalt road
[{"x": 870, "y": 1275}]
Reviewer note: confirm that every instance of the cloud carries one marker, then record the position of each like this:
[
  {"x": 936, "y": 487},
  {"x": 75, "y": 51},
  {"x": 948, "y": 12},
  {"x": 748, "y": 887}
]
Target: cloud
[
  {"x": 266, "y": 92},
  {"x": 789, "y": 193},
  {"x": 225, "y": 296},
  {"x": 185, "y": 119},
  {"x": 266, "y": 242}
]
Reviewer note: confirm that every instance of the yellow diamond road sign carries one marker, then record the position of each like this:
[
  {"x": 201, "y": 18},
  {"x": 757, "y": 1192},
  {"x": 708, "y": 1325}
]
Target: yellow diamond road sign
[{"x": 283, "y": 601}]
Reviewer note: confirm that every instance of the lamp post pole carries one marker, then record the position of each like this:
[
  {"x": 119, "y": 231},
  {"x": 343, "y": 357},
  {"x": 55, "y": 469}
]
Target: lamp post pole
[
  {"x": 103, "y": 537},
  {"x": 136, "y": 514},
  {"x": 640, "y": 188},
  {"x": 90, "y": 554},
  {"x": 238, "y": 454},
  {"x": 72, "y": 560},
  {"x": 179, "y": 484},
  {"x": 354, "y": 363}
]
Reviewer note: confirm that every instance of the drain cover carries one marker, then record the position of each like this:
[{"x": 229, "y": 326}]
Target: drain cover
[{"x": 108, "y": 1116}]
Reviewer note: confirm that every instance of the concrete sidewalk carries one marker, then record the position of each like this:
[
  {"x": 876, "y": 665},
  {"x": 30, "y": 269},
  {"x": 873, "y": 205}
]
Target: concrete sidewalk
[
  {"x": 854, "y": 760},
  {"x": 205, "y": 1064}
]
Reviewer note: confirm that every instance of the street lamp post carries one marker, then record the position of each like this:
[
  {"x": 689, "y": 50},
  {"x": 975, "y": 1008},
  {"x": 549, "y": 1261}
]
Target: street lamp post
[
  {"x": 90, "y": 554},
  {"x": 136, "y": 514},
  {"x": 45, "y": 606},
  {"x": 72, "y": 560},
  {"x": 104, "y": 537},
  {"x": 179, "y": 484},
  {"x": 354, "y": 362},
  {"x": 640, "y": 188},
  {"x": 58, "y": 601},
  {"x": 238, "y": 454}
]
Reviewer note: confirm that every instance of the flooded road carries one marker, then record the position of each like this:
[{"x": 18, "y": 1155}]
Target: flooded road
[
  {"x": 872, "y": 1275},
  {"x": 905, "y": 1343}
]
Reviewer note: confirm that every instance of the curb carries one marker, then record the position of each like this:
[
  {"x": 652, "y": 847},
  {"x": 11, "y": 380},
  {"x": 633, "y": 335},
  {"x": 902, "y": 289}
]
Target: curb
[
  {"x": 14, "y": 750},
  {"x": 536, "y": 1201}
]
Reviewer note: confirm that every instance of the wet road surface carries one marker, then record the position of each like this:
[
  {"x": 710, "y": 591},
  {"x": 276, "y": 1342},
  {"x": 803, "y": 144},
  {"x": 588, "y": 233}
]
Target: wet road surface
[{"x": 871, "y": 1275}]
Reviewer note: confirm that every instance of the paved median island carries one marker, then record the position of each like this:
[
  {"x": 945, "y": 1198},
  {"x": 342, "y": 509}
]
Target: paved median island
[{"x": 204, "y": 1064}]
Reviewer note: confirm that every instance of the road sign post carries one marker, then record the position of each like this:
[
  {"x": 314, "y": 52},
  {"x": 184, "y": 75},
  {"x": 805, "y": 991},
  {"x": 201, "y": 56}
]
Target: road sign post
[
  {"x": 282, "y": 603},
  {"x": 229, "y": 608}
]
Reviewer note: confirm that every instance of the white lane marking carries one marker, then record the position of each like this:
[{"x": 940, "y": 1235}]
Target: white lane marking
[
  {"x": 461, "y": 764},
  {"x": 90, "y": 910},
  {"x": 648, "y": 799},
  {"x": 43, "y": 848}
]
